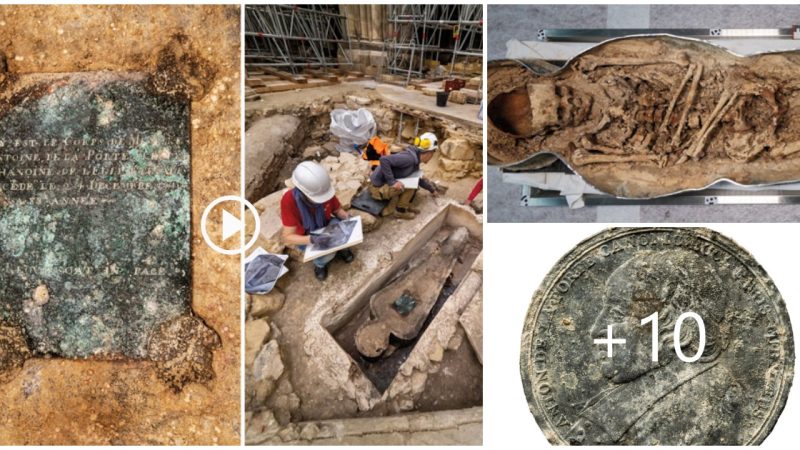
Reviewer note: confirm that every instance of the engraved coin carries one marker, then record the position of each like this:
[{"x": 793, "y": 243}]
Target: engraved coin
[{"x": 657, "y": 336}]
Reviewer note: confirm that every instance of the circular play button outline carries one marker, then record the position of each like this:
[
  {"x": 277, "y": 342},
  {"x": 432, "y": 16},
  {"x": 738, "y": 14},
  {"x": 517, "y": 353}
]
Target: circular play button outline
[{"x": 230, "y": 198}]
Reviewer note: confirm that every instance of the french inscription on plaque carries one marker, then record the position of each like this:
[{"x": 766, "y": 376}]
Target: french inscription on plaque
[
  {"x": 94, "y": 213},
  {"x": 657, "y": 336}
]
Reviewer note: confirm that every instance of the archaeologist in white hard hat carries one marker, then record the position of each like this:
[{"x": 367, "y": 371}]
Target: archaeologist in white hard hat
[
  {"x": 385, "y": 184},
  {"x": 311, "y": 205}
]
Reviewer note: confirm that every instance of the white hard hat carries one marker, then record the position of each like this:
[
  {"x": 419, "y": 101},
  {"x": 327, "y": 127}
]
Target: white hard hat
[
  {"x": 313, "y": 180},
  {"x": 427, "y": 142}
]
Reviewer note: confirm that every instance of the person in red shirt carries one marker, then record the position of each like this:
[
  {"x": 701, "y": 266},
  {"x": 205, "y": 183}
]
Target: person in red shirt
[{"x": 311, "y": 205}]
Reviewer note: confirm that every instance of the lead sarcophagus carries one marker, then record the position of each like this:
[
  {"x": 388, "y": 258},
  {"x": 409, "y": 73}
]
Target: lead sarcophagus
[{"x": 648, "y": 116}]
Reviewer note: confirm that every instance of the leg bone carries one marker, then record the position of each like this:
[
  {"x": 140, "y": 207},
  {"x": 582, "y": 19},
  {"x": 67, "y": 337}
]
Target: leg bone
[
  {"x": 591, "y": 62},
  {"x": 675, "y": 98},
  {"x": 582, "y": 157},
  {"x": 723, "y": 106},
  {"x": 698, "y": 72}
]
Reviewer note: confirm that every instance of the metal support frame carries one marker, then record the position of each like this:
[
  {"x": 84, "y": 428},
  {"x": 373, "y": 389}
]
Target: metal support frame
[
  {"x": 600, "y": 34},
  {"x": 420, "y": 32},
  {"x": 402, "y": 124},
  {"x": 532, "y": 196},
  {"x": 296, "y": 37}
]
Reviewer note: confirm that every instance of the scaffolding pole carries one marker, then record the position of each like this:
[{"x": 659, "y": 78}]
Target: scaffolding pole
[
  {"x": 296, "y": 37},
  {"x": 445, "y": 33}
]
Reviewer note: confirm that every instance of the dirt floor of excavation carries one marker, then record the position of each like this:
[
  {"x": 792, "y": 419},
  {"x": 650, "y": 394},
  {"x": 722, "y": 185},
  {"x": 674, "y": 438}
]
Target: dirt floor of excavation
[{"x": 465, "y": 114}]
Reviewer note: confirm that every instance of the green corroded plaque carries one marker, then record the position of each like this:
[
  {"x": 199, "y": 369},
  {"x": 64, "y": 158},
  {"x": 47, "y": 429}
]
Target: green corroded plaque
[{"x": 94, "y": 213}]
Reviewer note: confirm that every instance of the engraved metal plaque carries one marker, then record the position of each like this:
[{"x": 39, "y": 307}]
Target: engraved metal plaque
[{"x": 94, "y": 212}]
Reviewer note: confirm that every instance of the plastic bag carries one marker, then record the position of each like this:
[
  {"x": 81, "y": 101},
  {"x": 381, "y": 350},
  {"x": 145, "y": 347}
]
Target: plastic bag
[
  {"x": 352, "y": 128},
  {"x": 262, "y": 270}
]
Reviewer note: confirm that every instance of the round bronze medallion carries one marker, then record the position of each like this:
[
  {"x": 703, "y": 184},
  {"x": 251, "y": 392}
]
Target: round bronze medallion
[{"x": 657, "y": 336}]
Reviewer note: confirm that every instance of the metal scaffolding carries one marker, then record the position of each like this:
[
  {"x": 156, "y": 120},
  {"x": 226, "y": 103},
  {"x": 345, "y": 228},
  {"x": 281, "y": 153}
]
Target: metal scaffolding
[
  {"x": 296, "y": 37},
  {"x": 445, "y": 33}
]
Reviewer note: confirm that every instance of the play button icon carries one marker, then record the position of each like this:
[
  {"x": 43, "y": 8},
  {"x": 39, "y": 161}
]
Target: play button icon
[{"x": 232, "y": 224}]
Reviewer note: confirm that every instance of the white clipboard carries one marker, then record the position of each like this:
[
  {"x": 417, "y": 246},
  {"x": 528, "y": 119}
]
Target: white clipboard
[
  {"x": 411, "y": 181},
  {"x": 356, "y": 237}
]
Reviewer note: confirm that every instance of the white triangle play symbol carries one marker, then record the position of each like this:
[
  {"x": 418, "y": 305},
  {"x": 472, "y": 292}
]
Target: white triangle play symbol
[{"x": 230, "y": 225}]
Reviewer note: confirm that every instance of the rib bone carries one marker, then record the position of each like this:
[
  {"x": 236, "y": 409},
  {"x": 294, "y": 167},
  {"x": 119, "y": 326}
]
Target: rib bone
[
  {"x": 605, "y": 149},
  {"x": 786, "y": 149},
  {"x": 604, "y": 121}
]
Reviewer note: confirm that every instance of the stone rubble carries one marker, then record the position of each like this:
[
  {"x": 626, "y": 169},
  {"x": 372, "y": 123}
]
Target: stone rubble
[
  {"x": 459, "y": 158},
  {"x": 267, "y": 382},
  {"x": 266, "y": 304},
  {"x": 268, "y": 365}
]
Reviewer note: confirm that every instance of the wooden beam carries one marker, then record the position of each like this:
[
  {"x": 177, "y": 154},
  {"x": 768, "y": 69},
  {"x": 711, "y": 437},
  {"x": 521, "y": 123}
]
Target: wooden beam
[{"x": 286, "y": 76}]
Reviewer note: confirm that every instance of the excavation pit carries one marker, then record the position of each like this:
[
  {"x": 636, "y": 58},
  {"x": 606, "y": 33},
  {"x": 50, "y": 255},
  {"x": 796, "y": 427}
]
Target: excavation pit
[
  {"x": 382, "y": 370},
  {"x": 386, "y": 379},
  {"x": 305, "y": 381}
]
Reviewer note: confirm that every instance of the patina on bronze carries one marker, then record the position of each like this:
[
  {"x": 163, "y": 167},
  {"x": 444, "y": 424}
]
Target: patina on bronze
[
  {"x": 95, "y": 224},
  {"x": 732, "y": 395}
]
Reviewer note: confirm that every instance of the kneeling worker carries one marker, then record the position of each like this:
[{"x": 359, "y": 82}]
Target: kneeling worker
[
  {"x": 311, "y": 205},
  {"x": 400, "y": 165}
]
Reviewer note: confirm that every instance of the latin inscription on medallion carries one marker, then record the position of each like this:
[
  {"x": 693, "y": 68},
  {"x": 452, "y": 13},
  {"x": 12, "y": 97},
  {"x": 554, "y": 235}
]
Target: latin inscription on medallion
[{"x": 657, "y": 336}]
